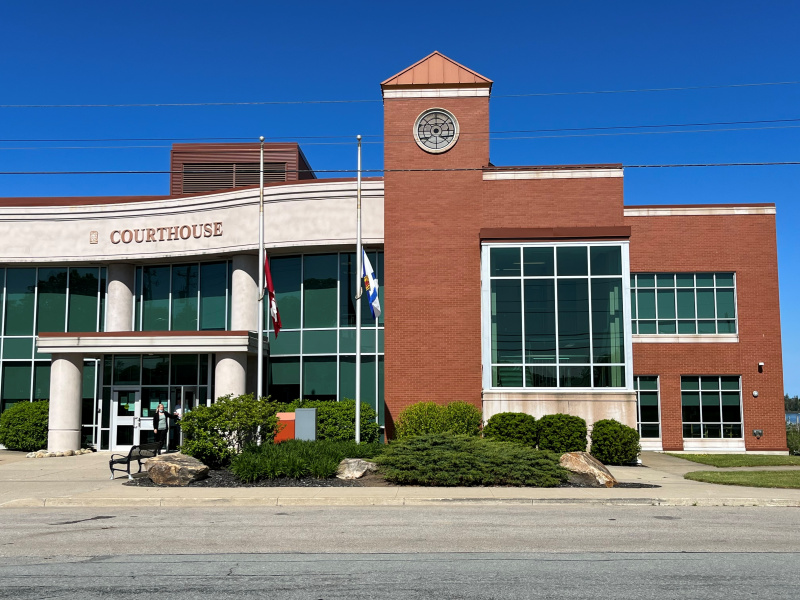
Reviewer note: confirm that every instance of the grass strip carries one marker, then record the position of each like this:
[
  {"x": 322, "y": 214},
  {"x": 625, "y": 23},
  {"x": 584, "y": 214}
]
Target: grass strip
[
  {"x": 740, "y": 460},
  {"x": 765, "y": 479}
]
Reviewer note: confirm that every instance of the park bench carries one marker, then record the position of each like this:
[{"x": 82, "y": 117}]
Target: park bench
[{"x": 136, "y": 453}]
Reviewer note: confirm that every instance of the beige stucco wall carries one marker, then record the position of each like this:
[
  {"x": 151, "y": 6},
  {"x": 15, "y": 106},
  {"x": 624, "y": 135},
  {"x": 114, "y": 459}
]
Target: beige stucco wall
[
  {"x": 591, "y": 406},
  {"x": 295, "y": 216}
]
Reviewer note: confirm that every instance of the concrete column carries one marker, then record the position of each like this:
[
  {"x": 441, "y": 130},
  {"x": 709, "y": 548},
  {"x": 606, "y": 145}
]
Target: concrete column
[
  {"x": 120, "y": 299},
  {"x": 244, "y": 293},
  {"x": 230, "y": 373},
  {"x": 66, "y": 389}
]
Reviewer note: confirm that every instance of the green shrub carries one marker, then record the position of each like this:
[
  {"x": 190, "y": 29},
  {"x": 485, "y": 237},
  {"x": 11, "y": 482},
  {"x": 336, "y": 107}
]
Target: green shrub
[
  {"x": 614, "y": 443},
  {"x": 337, "y": 420},
  {"x": 429, "y": 418},
  {"x": 512, "y": 427},
  {"x": 793, "y": 439},
  {"x": 462, "y": 460},
  {"x": 214, "y": 434},
  {"x": 24, "y": 426},
  {"x": 461, "y": 418},
  {"x": 296, "y": 458},
  {"x": 562, "y": 433}
]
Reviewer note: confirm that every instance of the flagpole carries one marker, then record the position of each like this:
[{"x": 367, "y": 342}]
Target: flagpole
[
  {"x": 260, "y": 388},
  {"x": 359, "y": 269}
]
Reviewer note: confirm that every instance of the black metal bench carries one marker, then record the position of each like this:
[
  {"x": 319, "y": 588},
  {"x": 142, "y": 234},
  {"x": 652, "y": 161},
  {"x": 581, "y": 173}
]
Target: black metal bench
[{"x": 136, "y": 453}]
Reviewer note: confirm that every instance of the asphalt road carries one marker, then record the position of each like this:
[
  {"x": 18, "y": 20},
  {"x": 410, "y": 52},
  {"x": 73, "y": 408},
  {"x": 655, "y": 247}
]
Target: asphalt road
[{"x": 442, "y": 552}]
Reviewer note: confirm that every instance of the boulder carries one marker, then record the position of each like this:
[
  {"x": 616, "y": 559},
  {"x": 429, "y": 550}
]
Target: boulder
[
  {"x": 354, "y": 468},
  {"x": 175, "y": 469},
  {"x": 586, "y": 470}
]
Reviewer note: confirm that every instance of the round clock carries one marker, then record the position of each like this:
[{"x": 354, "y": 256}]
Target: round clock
[{"x": 436, "y": 130}]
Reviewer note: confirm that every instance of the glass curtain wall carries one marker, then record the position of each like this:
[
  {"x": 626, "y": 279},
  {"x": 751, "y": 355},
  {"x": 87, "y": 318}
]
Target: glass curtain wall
[
  {"x": 313, "y": 355},
  {"x": 556, "y": 316},
  {"x": 47, "y": 299}
]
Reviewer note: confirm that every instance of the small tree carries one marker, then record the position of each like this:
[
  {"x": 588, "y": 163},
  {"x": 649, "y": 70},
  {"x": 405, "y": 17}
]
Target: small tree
[{"x": 562, "y": 433}]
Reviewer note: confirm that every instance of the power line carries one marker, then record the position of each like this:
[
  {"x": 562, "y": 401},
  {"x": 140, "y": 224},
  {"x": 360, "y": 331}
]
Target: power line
[{"x": 368, "y": 101}]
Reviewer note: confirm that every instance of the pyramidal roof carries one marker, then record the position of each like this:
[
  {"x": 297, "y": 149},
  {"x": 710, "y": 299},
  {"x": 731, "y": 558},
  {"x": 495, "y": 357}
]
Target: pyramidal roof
[{"x": 436, "y": 70}]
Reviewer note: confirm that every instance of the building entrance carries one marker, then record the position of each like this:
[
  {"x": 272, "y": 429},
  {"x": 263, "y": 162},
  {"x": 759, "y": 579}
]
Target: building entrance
[{"x": 132, "y": 424}]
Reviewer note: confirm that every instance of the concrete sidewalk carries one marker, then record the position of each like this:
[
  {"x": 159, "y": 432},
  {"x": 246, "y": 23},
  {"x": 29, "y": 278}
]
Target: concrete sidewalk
[{"x": 82, "y": 481}]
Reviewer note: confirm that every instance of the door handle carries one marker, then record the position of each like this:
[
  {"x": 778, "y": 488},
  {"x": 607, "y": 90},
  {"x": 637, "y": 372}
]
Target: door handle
[{"x": 138, "y": 422}]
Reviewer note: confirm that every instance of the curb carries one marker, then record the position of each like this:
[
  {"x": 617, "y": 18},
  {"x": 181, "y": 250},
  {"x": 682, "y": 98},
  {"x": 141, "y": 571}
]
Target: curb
[{"x": 65, "y": 502}]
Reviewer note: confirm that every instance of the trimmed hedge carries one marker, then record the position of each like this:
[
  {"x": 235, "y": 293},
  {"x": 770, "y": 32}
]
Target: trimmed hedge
[
  {"x": 336, "y": 421},
  {"x": 425, "y": 418},
  {"x": 24, "y": 426},
  {"x": 296, "y": 458},
  {"x": 215, "y": 434},
  {"x": 512, "y": 427},
  {"x": 463, "y": 460},
  {"x": 614, "y": 443},
  {"x": 562, "y": 433}
]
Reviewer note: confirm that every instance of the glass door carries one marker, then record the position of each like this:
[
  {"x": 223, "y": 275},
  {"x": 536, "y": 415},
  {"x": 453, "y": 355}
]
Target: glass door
[
  {"x": 183, "y": 399},
  {"x": 126, "y": 414}
]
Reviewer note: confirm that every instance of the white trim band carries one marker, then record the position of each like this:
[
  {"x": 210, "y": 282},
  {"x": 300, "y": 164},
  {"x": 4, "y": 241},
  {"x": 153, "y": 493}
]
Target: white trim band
[
  {"x": 129, "y": 344},
  {"x": 552, "y": 174},
  {"x": 481, "y": 92},
  {"x": 697, "y": 211},
  {"x": 686, "y": 338}
]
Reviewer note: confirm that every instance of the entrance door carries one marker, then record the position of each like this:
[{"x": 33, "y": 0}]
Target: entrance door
[
  {"x": 127, "y": 416},
  {"x": 186, "y": 397}
]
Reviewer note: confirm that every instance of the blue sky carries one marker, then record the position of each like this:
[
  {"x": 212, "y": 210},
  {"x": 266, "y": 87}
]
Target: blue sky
[{"x": 92, "y": 52}]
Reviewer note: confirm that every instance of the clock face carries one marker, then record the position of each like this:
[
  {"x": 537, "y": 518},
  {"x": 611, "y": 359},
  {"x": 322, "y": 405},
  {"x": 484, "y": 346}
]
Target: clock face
[{"x": 436, "y": 130}]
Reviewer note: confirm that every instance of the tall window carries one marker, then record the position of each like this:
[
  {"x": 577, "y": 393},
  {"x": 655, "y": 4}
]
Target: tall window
[
  {"x": 687, "y": 303},
  {"x": 648, "y": 415},
  {"x": 711, "y": 406},
  {"x": 556, "y": 316}
]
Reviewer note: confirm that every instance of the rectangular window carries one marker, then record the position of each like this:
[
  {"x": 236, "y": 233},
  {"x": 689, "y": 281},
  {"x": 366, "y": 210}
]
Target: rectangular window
[
  {"x": 556, "y": 315},
  {"x": 711, "y": 406},
  {"x": 213, "y": 295},
  {"x": 648, "y": 409},
  {"x": 83, "y": 299},
  {"x": 20, "y": 301},
  {"x": 320, "y": 290},
  {"x": 683, "y": 303},
  {"x": 52, "y": 301},
  {"x": 155, "y": 298},
  {"x": 185, "y": 285}
]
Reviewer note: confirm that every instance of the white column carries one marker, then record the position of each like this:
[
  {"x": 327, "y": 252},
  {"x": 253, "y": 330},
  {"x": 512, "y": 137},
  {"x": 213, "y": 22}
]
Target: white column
[
  {"x": 230, "y": 373},
  {"x": 66, "y": 383},
  {"x": 244, "y": 293},
  {"x": 120, "y": 299}
]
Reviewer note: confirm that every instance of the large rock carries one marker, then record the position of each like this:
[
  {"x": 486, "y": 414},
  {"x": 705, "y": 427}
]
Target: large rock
[
  {"x": 175, "y": 469},
  {"x": 586, "y": 470},
  {"x": 354, "y": 468}
]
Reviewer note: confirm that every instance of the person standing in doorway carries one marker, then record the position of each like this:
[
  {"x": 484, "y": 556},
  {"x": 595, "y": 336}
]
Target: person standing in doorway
[{"x": 161, "y": 425}]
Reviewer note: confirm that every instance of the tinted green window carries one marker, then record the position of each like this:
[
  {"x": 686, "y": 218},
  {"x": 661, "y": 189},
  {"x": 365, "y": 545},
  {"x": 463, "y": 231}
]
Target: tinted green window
[
  {"x": 609, "y": 376},
  {"x": 571, "y": 260},
  {"x": 705, "y": 304},
  {"x": 20, "y": 292},
  {"x": 16, "y": 383},
  {"x": 504, "y": 262},
  {"x": 540, "y": 320},
  {"x": 155, "y": 295},
  {"x": 319, "y": 378},
  {"x": 184, "y": 297},
  {"x": 320, "y": 342},
  {"x": 347, "y": 379},
  {"x": 726, "y": 308},
  {"x": 347, "y": 291},
  {"x": 18, "y": 348},
  {"x": 137, "y": 316},
  {"x": 41, "y": 381},
  {"x": 88, "y": 387},
  {"x": 690, "y": 403},
  {"x": 665, "y": 280},
  {"x": 731, "y": 402},
  {"x": 704, "y": 279},
  {"x": 284, "y": 379},
  {"x": 647, "y": 382},
  {"x": 606, "y": 260},
  {"x": 645, "y": 280},
  {"x": 684, "y": 280},
  {"x": 83, "y": 294},
  {"x": 126, "y": 370},
  {"x": 608, "y": 338},
  {"x": 320, "y": 273},
  {"x": 686, "y": 304},
  {"x": 102, "y": 318},
  {"x": 666, "y": 304},
  {"x": 506, "y": 321},
  {"x": 52, "y": 304},
  {"x": 541, "y": 376},
  {"x": 646, "y": 308},
  {"x": 287, "y": 342},
  {"x": 573, "y": 322},
  {"x": 729, "y": 383},
  {"x": 184, "y": 369},
  {"x": 538, "y": 262},
  {"x": 213, "y": 294},
  {"x": 575, "y": 376},
  {"x": 286, "y": 277},
  {"x": 507, "y": 376},
  {"x": 155, "y": 369},
  {"x": 724, "y": 279}
]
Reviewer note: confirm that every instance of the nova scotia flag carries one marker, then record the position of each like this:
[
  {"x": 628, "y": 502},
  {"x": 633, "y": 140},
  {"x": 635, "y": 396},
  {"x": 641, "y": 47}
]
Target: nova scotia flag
[{"x": 371, "y": 286}]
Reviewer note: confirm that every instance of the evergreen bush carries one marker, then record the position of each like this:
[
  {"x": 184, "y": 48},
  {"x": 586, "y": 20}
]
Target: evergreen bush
[
  {"x": 419, "y": 419},
  {"x": 512, "y": 427},
  {"x": 614, "y": 443},
  {"x": 214, "y": 434},
  {"x": 23, "y": 426},
  {"x": 461, "y": 418},
  {"x": 562, "y": 433},
  {"x": 336, "y": 421},
  {"x": 463, "y": 460}
]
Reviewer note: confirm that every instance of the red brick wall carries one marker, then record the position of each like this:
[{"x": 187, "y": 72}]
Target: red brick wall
[{"x": 746, "y": 245}]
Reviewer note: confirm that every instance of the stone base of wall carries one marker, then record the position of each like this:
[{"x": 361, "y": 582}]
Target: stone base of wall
[{"x": 591, "y": 406}]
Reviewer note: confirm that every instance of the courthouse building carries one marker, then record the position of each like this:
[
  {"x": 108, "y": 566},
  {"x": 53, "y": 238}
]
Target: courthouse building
[{"x": 515, "y": 288}]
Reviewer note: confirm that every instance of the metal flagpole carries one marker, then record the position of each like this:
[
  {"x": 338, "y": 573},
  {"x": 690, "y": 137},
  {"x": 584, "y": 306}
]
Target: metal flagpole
[
  {"x": 260, "y": 388},
  {"x": 359, "y": 269}
]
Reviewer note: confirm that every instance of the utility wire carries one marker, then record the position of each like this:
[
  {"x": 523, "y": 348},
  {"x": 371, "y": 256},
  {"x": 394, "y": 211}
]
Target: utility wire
[{"x": 294, "y": 102}]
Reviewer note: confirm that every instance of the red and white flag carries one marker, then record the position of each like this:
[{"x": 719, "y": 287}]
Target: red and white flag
[{"x": 273, "y": 305}]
